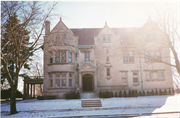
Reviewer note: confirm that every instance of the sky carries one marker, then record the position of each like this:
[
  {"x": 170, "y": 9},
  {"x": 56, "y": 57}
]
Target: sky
[{"x": 94, "y": 14}]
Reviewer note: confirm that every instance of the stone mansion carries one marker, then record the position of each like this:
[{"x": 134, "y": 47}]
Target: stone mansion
[{"x": 94, "y": 59}]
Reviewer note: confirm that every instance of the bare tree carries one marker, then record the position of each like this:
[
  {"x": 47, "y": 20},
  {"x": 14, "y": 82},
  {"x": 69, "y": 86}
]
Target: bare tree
[{"x": 31, "y": 17}]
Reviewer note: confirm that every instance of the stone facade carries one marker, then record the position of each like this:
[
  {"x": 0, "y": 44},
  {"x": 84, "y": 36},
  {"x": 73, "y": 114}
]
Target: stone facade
[{"x": 94, "y": 59}]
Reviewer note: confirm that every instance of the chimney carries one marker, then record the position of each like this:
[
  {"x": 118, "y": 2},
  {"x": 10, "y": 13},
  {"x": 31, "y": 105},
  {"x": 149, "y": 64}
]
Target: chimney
[{"x": 47, "y": 27}]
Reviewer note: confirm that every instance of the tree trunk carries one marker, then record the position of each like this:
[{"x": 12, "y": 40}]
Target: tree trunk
[{"x": 13, "y": 100}]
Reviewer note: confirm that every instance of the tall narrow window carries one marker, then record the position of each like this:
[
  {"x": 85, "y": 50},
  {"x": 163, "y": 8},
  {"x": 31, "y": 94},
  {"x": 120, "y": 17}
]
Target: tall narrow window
[
  {"x": 107, "y": 59},
  {"x": 87, "y": 56},
  {"x": 148, "y": 75},
  {"x": 107, "y": 51},
  {"x": 109, "y": 39},
  {"x": 104, "y": 38},
  {"x": 63, "y": 57},
  {"x": 146, "y": 56},
  {"x": 158, "y": 56},
  {"x": 124, "y": 77},
  {"x": 51, "y": 58},
  {"x": 125, "y": 57},
  {"x": 108, "y": 71},
  {"x": 51, "y": 83},
  {"x": 135, "y": 77},
  {"x": 57, "y": 56},
  {"x": 160, "y": 75},
  {"x": 70, "y": 57},
  {"x": 152, "y": 56},
  {"x": 70, "y": 82},
  {"x": 63, "y": 82},
  {"x": 57, "y": 83},
  {"x": 131, "y": 57}
]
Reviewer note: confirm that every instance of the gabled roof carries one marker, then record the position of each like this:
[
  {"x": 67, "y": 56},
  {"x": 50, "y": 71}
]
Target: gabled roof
[{"x": 86, "y": 35}]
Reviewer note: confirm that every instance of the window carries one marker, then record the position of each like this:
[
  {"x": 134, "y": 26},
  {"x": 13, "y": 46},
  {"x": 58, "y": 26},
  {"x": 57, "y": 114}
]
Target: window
[
  {"x": 135, "y": 77},
  {"x": 70, "y": 82},
  {"x": 152, "y": 56},
  {"x": 70, "y": 57},
  {"x": 51, "y": 58},
  {"x": 57, "y": 83},
  {"x": 124, "y": 77},
  {"x": 128, "y": 57},
  {"x": 51, "y": 83},
  {"x": 104, "y": 38},
  {"x": 146, "y": 56},
  {"x": 148, "y": 75},
  {"x": 107, "y": 59},
  {"x": 57, "y": 57},
  {"x": 109, "y": 39},
  {"x": 63, "y": 74},
  {"x": 107, "y": 51},
  {"x": 108, "y": 71},
  {"x": 63, "y": 57},
  {"x": 70, "y": 74},
  {"x": 51, "y": 75},
  {"x": 63, "y": 82},
  {"x": 160, "y": 75},
  {"x": 86, "y": 56},
  {"x": 64, "y": 36},
  {"x": 57, "y": 74},
  {"x": 158, "y": 56}
]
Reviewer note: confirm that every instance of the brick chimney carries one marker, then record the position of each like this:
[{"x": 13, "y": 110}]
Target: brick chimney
[{"x": 47, "y": 27}]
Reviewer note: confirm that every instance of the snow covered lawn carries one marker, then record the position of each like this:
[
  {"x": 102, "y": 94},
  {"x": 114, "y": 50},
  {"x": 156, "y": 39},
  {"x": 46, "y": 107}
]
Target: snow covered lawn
[{"x": 64, "y": 108}]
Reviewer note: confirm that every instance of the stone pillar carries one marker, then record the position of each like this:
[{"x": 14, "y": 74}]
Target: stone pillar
[
  {"x": 80, "y": 80},
  {"x": 34, "y": 91},
  {"x": 53, "y": 79},
  {"x": 95, "y": 81},
  {"x": 53, "y": 57},
  {"x": 27, "y": 91},
  {"x": 31, "y": 91}
]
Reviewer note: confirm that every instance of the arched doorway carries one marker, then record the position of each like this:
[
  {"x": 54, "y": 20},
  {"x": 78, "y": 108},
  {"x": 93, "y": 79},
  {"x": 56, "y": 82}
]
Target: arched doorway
[{"x": 87, "y": 83}]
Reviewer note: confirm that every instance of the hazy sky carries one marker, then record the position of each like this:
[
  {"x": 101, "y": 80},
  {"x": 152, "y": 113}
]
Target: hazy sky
[{"x": 94, "y": 14}]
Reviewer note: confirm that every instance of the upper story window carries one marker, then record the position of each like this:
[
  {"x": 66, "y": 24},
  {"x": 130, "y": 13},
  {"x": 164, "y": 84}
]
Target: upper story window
[
  {"x": 107, "y": 51},
  {"x": 63, "y": 57},
  {"x": 64, "y": 36},
  {"x": 152, "y": 56},
  {"x": 109, "y": 39},
  {"x": 135, "y": 77},
  {"x": 70, "y": 57},
  {"x": 87, "y": 57},
  {"x": 150, "y": 37},
  {"x": 104, "y": 38},
  {"x": 154, "y": 75},
  {"x": 57, "y": 57},
  {"x": 108, "y": 72},
  {"x": 51, "y": 58},
  {"x": 128, "y": 57},
  {"x": 124, "y": 77}
]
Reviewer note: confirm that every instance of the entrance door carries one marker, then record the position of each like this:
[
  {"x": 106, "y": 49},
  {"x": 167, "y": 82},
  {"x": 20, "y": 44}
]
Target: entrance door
[{"x": 87, "y": 83}]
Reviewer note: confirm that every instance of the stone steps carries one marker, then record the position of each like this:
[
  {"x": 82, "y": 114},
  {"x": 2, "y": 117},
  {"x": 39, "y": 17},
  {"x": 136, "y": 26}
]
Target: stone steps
[{"x": 91, "y": 103}]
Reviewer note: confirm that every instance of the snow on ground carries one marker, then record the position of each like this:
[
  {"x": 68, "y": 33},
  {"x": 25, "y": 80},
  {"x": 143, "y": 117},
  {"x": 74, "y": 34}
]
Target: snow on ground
[{"x": 111, "y": 106}]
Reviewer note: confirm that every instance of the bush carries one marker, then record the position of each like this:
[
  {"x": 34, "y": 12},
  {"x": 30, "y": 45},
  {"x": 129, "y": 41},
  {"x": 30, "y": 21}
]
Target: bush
[
  {"x": 160, "y": 92},
  {"x": 143, "y": 93},
  {"x": 50, "y": 97},
  {"x": 120, "y": 93},
  {"x": 156, "y": 93},
  {"x": 124, "y": 94},
  {"x": 6, "y": 93},
  {"x": 129, "y": 93},
  {"x": 169, "y": 91},
  {"x": 41, "y": 97},
  {"x": 72, "y": 95},
  {"x": 111, "y": 94},
  {"x": 152, "y": 93},
  {"x": 100, "y": 94},
  {"x": 165, "y": 92},
  {"x": 139, "y": 94}
]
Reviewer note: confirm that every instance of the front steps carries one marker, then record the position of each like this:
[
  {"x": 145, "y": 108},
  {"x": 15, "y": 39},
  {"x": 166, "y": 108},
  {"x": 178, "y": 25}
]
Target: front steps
[
  {"x": 90, "y": 99},
  {"x": 91, "y": 103}
]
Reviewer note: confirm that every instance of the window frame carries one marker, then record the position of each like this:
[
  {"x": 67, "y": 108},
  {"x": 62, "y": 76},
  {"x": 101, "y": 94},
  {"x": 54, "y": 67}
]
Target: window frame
[
  {"x": 87, "y": 57},
  {"x": 128, "y": 57}
]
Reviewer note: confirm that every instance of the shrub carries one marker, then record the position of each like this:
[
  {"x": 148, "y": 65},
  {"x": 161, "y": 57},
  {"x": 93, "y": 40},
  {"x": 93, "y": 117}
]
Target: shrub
[
  {"x": 152, "y": 93},
  {"x": 50, "y": 97},
  {"x": 116, "y": 94},
  {"x": 72, "y": 95},
  {"x": 139, "y": 94},
  {"x": 120, "y": 93},
  {"x": 160, "y": 92},
  {"x": 6, "y": 93},
  {"x": 169, "y": 91},
  {"x": 136, "y": 93},
  {"x": 129, "y": 93},
  {"x": 100, "y": 94},
  {"x": 165, "y": 92},
  {"x": 143, "y": 93},
  {"x": 111, "y": 94},
  {"x": 156, "y": 93},
  {"x": 41, "y": 97},
  {"x": 124, "y": 94}
]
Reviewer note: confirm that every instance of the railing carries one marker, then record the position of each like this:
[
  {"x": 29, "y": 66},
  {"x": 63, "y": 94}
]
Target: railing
[
  {"x": 114, "y": 87},
  {"x": 92, "y": 62},
  {"x": 34, "y": 77}
]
